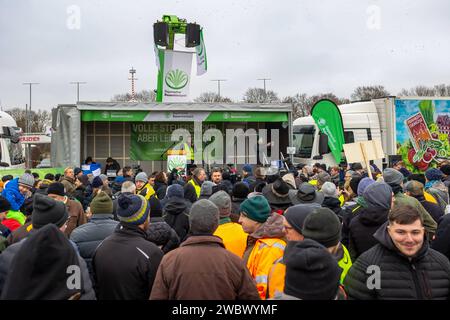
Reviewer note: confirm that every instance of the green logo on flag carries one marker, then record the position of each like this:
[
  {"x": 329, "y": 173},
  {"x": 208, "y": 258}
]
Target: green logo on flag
[{"x": 176, "y": 79}]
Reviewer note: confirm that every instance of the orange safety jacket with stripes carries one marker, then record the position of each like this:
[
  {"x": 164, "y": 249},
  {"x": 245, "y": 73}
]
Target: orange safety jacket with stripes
[{"x": 264, "y": 255}]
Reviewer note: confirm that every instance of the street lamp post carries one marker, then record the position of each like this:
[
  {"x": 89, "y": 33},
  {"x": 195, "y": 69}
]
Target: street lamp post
[
  {"x": 218, "y": 85},
  {"x": 264, "y": 80},
  {"x": 78, "y": 88},
  {"x": 28, "y": 122}
]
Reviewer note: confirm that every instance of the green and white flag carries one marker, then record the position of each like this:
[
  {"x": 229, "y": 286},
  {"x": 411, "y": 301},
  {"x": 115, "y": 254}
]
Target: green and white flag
[
  {"x": 202, "y": 65},
  {"x": 328, "y": 118},
  {"x": 158, "y": 64},
  {"x": 176, "y": 75}
]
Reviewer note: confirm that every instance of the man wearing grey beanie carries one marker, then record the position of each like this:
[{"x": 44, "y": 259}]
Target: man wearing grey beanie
[
  {"x": 394, "y": 179},
  {"x": 233, "y": 236},
  {"x": 209, "y": 271}
]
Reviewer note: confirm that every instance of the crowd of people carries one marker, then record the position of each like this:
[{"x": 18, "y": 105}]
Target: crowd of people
[{"x": 260, "y": 233}]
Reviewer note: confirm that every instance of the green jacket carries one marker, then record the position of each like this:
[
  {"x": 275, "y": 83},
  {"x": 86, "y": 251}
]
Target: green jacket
[
  {"x": 428, "y": 221},
  {"x": 16, "y": 215}
]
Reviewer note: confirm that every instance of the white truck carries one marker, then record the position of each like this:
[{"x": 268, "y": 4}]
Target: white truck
[
  {"x": 414, "y": 129},
  {"x": 11, "y": 155}
]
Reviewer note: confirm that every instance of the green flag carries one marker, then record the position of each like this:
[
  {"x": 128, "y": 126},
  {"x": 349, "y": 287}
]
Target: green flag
[{"x": 328, "y": 118}]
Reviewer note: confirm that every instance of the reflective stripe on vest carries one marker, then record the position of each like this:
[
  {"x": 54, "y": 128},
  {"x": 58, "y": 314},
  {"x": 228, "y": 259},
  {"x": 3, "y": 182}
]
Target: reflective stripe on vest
[
  {"x": 278, "y": 245},
  {"x": 261, "y": 279}
]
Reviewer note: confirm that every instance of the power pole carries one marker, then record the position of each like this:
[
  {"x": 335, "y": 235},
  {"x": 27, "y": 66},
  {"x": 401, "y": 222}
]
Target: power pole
[
  {"x": 133, "y": 93},
  {"x": 218, "y": 84},
  {"x": 28, "y": 122},
  {"x": 78, "y": 88},
  {"x": 264, "y": 80}
]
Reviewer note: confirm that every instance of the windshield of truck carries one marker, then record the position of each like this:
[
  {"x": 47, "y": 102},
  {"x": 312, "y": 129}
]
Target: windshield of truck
[
  {"x": 15, "y": 152},
  {"x": 303, "y": 141}
]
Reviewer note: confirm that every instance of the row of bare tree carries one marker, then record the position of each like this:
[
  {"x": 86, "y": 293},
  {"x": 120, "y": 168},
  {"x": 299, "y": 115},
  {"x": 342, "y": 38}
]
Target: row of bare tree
[
  {"x": 301, "y": 101},
  {"x": 39, "y": 120}
]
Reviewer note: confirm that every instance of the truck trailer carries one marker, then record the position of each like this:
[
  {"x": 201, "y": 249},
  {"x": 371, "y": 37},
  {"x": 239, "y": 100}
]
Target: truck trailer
[{"x": 415, "y": 130}]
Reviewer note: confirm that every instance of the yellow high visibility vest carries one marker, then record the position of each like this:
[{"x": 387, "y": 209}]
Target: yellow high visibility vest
[
  {"x": 196, "y": 187},
  {"x": 189, "y": 151}
]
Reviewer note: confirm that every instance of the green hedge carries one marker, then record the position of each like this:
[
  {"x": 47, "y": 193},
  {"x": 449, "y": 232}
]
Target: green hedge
[{"x": 42, "y": 172}]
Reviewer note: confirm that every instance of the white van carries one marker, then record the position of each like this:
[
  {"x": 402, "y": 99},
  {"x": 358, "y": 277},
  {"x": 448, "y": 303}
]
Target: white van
[
  {"x": 11, "y": 155},
  {"x": 360, "y": 121}
]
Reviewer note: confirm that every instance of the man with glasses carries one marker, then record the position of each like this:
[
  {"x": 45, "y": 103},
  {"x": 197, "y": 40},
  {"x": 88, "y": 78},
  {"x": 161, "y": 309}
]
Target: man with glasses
[{"x": 266, "y": 244}]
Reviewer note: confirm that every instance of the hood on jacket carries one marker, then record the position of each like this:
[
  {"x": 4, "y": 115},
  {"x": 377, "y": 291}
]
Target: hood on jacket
[
  {"x": 373, "y": 216},
  {"x": 272, "y": 228},
  {"x": 378, "y": 194},
  {"x": 383, "y": 237},
  {"x": 175, "y": 206}
]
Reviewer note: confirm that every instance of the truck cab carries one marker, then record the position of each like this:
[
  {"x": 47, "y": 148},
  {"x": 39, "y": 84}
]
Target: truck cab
[
  {"x": 360, "y": 121},
  {"x": 11, "y": 155}
]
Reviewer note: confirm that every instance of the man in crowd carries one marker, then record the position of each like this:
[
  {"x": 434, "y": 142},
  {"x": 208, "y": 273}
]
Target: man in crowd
[
  {"x": 45, "y": 211},
  {"x": 209, "y": 271},
  {"x": 193, "y": 187},
  {"x": 77, "y": 216},
  {"x": 125, "y": 263},
  {"x": 70, "y": 183},
  {"x": 416, "y": 189},
  {"x": 408, "y": 269},
  {"x": 88, "y": 236},
  {"x": 233, "y": 236},
  {"x": 16, "y": 191},
  {"x": 266, "y": 243}
]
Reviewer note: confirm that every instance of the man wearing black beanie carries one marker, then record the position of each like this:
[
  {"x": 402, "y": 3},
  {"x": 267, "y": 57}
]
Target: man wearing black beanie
[
  {"x": 323, "y": 226},
  {"x": 77, "y": 216},
  {"x": 312, "y": 273},
  {"x": 293, "y": 219}
]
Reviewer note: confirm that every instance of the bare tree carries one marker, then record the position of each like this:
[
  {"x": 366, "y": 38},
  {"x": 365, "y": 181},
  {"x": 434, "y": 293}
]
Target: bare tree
[
  {"x": 300, "y": 103},
  {"x": 439, "y": 90},
  {"x": 369, "y": 92},
  {"x": 211, "y": 97},
  {"x": 141, "y": 96},
  {"x": 258, "y": 95},
  {"x": 40, "y": 120}
]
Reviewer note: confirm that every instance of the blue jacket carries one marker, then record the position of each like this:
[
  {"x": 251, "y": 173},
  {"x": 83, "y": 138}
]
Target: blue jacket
[{"x": 13, "y": 195}]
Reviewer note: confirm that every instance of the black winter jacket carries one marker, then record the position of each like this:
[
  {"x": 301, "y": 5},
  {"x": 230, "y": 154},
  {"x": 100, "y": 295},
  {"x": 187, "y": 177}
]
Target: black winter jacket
[
  {"x": 161, "y": 234},
  {"x": 442, "y": 241},
  {"x": 125, "y": 265},
  {"x": 88, "y": 236},
  {"x": 433, "y": 209},
  {"x": 362, "y": 227},
  {"x": 425, "y": 276},
  {"x": 349, "y": 213},
  {"x": 160, "y": 189},
  {"x": 176, "y": 215}
]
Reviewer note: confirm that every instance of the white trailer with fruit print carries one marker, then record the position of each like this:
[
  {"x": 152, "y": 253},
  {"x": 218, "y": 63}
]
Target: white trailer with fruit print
[{"x": 414, "y": 129}]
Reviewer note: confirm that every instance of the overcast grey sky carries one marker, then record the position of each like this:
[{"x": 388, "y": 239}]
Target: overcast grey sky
[{"x": 303, "y": 46}]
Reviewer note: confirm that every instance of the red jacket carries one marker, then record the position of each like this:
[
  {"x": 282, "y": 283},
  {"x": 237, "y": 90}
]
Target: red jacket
[{"x": 11, "y": 224}]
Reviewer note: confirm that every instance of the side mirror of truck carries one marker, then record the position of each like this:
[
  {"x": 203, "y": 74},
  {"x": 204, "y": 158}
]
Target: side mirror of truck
[{"x": 323, "y": 144}]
